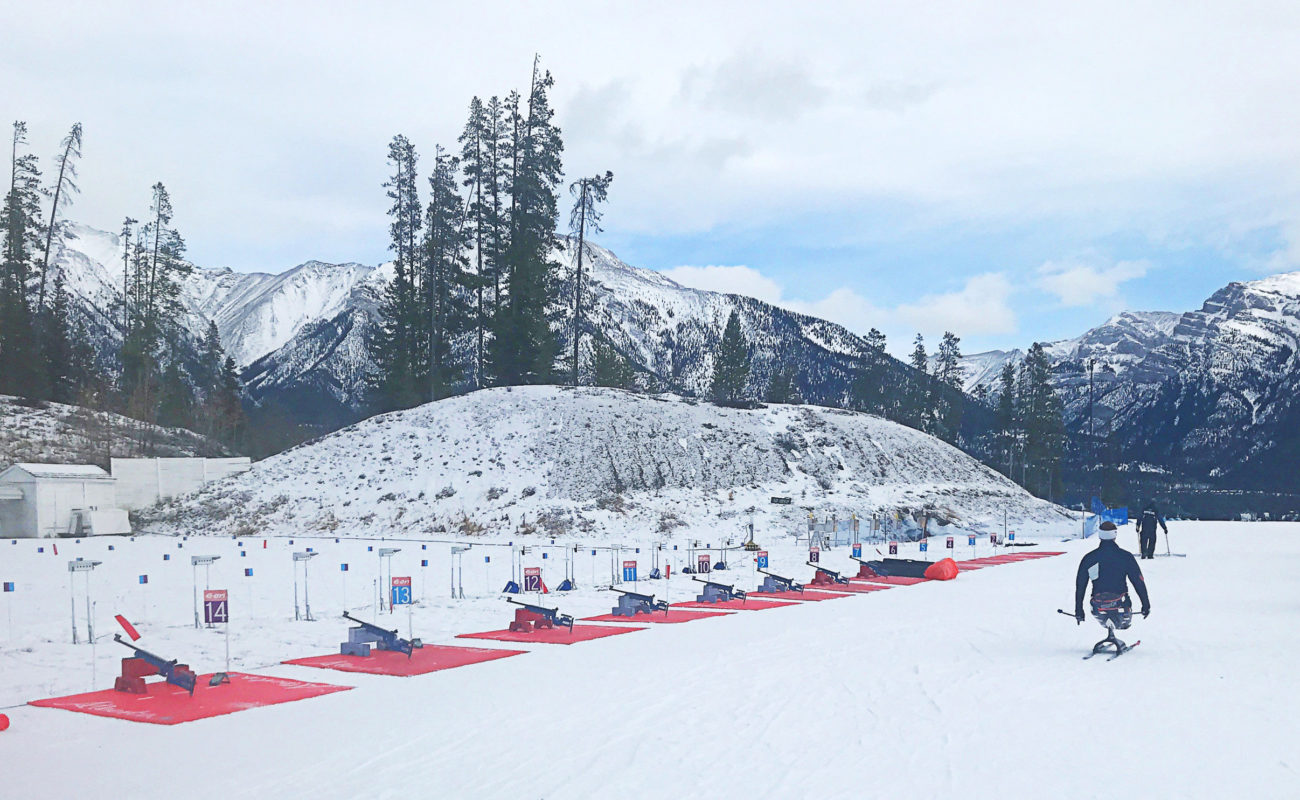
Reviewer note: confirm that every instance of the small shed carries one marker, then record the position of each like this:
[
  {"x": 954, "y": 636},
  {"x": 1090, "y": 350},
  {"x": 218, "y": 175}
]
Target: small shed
[{"x": 46, "y": 500}]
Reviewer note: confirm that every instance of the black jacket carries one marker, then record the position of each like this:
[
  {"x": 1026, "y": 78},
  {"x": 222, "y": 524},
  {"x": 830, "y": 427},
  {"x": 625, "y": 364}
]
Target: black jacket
[
  {"x": 1115, "y": 568},
  {"x": 1148, "y": 521}
]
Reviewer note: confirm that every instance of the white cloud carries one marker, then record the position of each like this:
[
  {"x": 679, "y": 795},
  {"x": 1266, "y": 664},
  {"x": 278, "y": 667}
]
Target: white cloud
[
  {"x": 729, "y": 280},
  {"x": 1077, "y": 284},
  {"x": 981, "y": 306},
  {"x": 837, "y": 107}
]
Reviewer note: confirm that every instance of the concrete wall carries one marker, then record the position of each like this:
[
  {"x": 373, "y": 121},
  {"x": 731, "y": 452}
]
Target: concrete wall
[{"x": 141, "y": 482}]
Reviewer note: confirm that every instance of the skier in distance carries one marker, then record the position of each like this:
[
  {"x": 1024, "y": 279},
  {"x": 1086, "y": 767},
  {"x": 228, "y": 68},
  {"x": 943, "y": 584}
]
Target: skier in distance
[
  {"x": 1147, "y": 529},
  {"x": 1110, "y": 568}
]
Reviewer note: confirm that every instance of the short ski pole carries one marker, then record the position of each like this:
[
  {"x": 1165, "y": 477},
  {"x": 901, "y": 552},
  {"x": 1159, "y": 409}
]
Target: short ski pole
[{"x": 1071, "y": 616}]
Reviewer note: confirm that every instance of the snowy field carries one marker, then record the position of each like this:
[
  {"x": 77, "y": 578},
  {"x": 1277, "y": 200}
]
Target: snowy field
[{"x": 969, "y": 688}]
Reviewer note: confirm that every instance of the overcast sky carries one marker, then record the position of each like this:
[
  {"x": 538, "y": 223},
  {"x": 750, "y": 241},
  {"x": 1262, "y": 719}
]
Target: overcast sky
[{"x": 1010, "y": 171}]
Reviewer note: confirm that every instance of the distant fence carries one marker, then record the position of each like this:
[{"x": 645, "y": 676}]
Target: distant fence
[{"x": 141, "y": 482}]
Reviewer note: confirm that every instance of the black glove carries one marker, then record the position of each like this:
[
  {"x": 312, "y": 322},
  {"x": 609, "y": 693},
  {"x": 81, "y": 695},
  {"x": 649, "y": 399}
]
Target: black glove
[
  {"x": 1078, "y": 615},
  {"x": 1146, "y": 611}
]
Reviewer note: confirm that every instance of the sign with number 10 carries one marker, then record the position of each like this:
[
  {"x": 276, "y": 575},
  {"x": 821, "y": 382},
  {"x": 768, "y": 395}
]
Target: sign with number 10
[{"x": 703, "y": 564}]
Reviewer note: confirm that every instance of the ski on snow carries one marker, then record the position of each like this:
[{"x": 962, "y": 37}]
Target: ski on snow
[{"x": 1114, "y": 656}]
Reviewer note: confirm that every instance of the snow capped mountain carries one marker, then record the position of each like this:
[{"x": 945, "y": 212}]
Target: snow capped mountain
[
  {"x": 602, "y": 461},
  {"x": 300, "y": 335},
  {"x": 1117, "y": 343},
  {"x": 1204, "y": 399}
]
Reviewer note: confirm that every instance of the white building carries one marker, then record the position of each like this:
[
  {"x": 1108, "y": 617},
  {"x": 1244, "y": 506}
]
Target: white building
[
  {"x": 45, "y": 500},
  {"x": 141, "y": 482}
]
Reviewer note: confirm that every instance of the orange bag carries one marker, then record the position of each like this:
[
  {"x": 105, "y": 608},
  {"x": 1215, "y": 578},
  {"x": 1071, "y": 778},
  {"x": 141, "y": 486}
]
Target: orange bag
[{"x": 944, "y": 570}]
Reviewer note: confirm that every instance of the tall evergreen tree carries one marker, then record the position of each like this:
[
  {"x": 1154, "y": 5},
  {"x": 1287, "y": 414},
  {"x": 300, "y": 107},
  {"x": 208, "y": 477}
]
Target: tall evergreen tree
[
  {"x": 916, "y": 406},
  {"x": 871, "y": 390},
  {"x": 446, "y": 281},
  {"x": 1008, "y": 418},
  {"x": 395, "y": 345},
  {"x": 20, "y": 360},
  {"x": 948, "y": 397},
  {"x": 588, "y": 194},
  {"x": 784, "y": 385},
  {"x": 524, "y": 346},
  {"x": 475, "y": 160},
  {"x": 609, "y": 367},
  {"x": 731, "y": 365},
  {"x": 176, "y": 401},
  {"x": 157, "y": 267},
  {"x": 1042, "y": 418},
  {"x": 57, "y": 348},
  {"x": 65, "y": 186}
]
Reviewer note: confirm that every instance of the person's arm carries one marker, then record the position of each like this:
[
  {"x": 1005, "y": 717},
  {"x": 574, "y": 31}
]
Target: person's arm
[
  {"x": 1162, "y": 523},
  {"x": 1139, "y": 585},
  {"x": 1080, "y": 585}
]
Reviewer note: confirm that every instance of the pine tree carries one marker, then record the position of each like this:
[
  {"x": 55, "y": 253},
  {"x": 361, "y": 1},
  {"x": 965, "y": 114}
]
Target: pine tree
[
  {"x": 229, "y": 412},
  {"x": 731, "y": 365},
  {"x": 1042, "y": 418},
  {"x": 155, "y": 270},
  {"x": 57, "y": 348},
  {"x": 446, "y": 280},
  {"x": 65, "y": 186},
  {"x": 870, "y": 390},
  {"x": 211, "y": 356},
  {"x": 1008, "y": 417},
  {"x": 524, "y": 345},
  {"x": 916, "y": 406},
  {"x": 176, "y": 401},
  {"x": 588, "y": 194},
  {"x": 784, "y": 385},
  {"x": 948, "y": 398},
  {"x": 609, "y": 367},
  {"x": 475, "y": 160},
  {"x": 400, "y": 379},
  {"x": 20, "y": 359}
]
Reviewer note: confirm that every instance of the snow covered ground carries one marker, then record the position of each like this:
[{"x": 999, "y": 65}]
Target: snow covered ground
[{"x": 971, "y": 688}]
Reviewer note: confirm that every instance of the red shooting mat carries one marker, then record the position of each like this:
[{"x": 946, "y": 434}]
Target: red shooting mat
[
  {"x": 809, "y": 595},
  {"x": 165, "y": 704},
  {"x": 735, "y": 605},
  {"x": 556, "y": 635},
  {"x": 430, "y": 658},
  {"x": 672, "y": 616}
]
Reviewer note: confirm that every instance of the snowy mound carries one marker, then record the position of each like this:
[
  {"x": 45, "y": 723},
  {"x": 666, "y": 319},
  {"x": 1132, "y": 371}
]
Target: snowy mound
[{"x": 599, "y": 461}]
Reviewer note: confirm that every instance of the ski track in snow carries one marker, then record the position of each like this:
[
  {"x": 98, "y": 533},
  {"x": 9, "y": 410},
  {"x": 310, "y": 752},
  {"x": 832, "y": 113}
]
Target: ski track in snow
[{"x": 971, "y": 688}]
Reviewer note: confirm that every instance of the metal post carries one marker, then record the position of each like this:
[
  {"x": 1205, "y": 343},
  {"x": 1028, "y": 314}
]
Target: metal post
[
  {"x": 72, "y": 596},
  {"x": 306, "y": 588},
  {"x": 194, "y": 570},
  {"x": 296, "y": 614}
]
